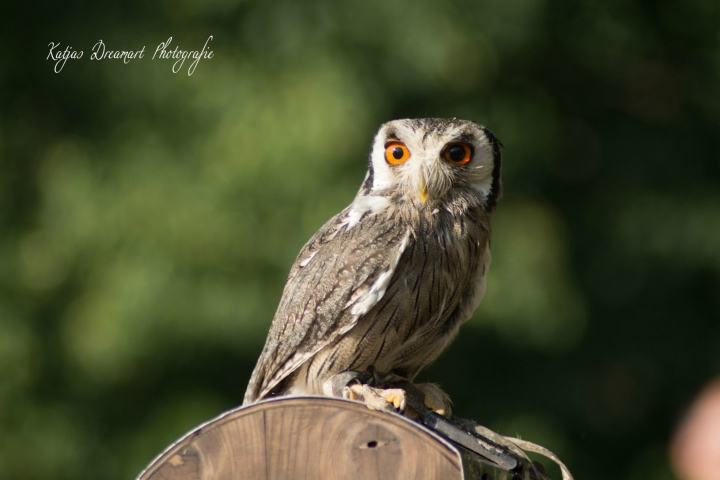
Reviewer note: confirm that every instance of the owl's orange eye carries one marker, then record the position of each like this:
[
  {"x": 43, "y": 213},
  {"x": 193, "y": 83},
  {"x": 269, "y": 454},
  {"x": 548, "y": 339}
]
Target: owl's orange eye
[
  {"x": 396, "y": 153},
  {"x": 458, "y": 153}
]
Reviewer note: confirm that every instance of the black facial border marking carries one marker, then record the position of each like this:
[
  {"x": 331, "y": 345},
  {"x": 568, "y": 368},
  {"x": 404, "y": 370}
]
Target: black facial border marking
[
  {"x": 368, "y": 183},
  {"x": 496, "y": 188}
]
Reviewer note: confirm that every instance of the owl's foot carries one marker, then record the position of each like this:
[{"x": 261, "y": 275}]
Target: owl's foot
[
  {"x": 357, "y": 386},
  {"x": 388, "y": 392},
  {"x": 385, "y": 399}
]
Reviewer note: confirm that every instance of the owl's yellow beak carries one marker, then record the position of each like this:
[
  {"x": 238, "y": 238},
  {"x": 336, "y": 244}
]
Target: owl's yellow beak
[{"x": 423, "y": 192}]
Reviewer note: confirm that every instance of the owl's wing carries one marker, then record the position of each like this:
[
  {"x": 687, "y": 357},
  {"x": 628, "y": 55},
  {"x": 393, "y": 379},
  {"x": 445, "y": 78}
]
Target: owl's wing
[{"x": 340, "y": 274}]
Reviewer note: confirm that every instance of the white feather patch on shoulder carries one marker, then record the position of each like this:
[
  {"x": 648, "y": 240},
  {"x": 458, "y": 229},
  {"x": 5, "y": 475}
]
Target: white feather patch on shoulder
[
  {"x": 363, "y": 301},
  {"x": 307, "y": 260},
  {"x": 373, "y": 204}
]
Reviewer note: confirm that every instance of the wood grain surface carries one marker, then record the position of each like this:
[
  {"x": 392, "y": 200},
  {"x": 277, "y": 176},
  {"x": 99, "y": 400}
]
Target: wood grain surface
[{"x": 314, "y": 438}]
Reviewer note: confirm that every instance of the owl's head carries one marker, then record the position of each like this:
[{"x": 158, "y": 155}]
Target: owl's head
[{"x": 425, "y": 160}]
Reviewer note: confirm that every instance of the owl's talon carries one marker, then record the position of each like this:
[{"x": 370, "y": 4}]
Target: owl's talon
[
  {"x": 435, "y": 399},
  {"x": 396, "y": 397},
  {"x": 350, "y": 394},
  {"x": 389, "y": 400}
]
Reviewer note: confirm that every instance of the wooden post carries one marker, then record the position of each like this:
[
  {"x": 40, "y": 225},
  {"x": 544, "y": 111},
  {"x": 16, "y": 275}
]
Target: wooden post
[{"x": 318, "y": 438}]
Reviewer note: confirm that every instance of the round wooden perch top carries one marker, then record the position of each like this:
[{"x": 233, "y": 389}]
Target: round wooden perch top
[{"x": 316, "y": 438}]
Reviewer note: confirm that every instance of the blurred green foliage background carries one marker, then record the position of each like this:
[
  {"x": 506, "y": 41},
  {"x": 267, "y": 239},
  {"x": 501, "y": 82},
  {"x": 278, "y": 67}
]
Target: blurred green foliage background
[{"x": 148, "y": 219}]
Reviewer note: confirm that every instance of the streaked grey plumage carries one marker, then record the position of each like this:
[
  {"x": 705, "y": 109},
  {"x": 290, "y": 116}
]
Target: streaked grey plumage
[{"x": 388, "y": 281}]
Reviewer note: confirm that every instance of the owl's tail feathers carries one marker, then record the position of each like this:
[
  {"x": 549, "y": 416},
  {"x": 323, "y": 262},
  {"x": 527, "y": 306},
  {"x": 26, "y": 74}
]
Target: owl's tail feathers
[
  {"x": 252, "y": 394},
  {"x": 249, "y": 397}
]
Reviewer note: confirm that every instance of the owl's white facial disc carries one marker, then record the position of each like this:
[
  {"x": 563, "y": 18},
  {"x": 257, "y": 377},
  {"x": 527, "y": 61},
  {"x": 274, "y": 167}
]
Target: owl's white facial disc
[{"x": 429, "y": 171}]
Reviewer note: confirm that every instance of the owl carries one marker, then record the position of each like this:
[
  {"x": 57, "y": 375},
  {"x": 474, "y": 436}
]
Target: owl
[{"x": 386, "y": 283}]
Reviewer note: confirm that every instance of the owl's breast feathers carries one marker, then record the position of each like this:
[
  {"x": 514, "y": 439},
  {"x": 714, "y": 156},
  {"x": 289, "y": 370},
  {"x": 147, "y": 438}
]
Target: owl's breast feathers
[{"x": 386, "y": 286}]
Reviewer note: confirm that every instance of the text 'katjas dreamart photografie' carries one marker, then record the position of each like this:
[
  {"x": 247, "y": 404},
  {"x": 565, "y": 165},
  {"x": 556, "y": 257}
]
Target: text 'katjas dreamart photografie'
[{"x": 101, "y": 52}]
